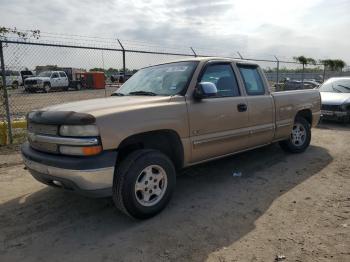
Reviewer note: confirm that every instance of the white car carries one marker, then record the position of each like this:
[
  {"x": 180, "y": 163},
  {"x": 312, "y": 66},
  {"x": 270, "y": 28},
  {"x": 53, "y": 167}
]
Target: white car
[
  {"x": 47, "y": 81},
  {"x": 13, "y": 78}
]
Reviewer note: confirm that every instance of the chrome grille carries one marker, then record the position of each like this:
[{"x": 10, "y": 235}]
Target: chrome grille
[
  {"x": 46, "y": 147},
  {"x": 331, "y": 107},
  {"x": 30, "y": 82},
  {"x": 42, "y": 129}
]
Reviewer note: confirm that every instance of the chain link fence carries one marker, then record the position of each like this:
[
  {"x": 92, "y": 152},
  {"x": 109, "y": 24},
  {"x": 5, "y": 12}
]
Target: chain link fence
[{"x": 115, "y": 60}]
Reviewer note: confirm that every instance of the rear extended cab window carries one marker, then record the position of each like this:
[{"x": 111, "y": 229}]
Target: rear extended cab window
[{"x": 253, "y": 82}]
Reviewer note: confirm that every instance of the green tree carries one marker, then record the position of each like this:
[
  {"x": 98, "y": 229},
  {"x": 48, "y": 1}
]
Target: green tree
[
  {"x": 97, "y": 69},
  {"x": 7, "y": 31},
  {"x": 333, "y": 64}
]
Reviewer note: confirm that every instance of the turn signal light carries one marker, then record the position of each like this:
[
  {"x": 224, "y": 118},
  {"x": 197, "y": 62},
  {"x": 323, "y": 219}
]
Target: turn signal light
[{"x": 80, "y": 150}]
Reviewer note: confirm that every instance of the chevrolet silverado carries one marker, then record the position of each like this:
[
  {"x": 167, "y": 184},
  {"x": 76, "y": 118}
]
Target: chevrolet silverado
[{"x": 165, "y": 117}]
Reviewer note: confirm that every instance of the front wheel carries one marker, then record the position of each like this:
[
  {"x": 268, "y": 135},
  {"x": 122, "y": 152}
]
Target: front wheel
[
  {"x": 47, "y": 88},
  {"x": 300, "y": 137},
  {"x": 15, "y": 85},
  {"x": 143, "y": 183}
]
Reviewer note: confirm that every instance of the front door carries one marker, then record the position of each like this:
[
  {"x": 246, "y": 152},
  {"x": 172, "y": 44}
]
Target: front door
[
  {"x": 55, "y": 80},
  {"x": 218, "y": 125}
]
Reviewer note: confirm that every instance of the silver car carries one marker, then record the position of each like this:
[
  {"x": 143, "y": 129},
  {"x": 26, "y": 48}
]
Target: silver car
[{"x": 335, "y": 96}]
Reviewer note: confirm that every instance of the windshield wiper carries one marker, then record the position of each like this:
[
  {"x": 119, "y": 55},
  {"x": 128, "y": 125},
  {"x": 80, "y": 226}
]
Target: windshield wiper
[
  {"x": 142, "y": 93},
  {"x": 117, "y": 94},
  {"x": 346, "y": 87}
]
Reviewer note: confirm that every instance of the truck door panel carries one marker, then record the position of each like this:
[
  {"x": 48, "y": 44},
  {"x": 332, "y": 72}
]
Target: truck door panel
[
  {"x": 261, "y": 106},
  {"x": 217, "y": 125}
]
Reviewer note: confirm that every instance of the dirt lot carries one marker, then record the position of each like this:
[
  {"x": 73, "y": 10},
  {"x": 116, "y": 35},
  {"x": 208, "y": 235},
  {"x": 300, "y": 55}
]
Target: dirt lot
[
  {"x": 21, "y": 102},
  {"x": 297, "y": 206}
]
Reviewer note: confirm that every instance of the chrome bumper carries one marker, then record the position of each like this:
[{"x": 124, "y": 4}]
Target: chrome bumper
[{"x": 92, "y": 179}]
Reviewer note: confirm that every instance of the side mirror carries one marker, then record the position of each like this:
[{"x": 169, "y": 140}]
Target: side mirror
[{"x": 205, "y": 90}]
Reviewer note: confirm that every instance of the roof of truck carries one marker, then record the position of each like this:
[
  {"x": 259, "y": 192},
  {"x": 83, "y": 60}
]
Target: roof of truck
[
  {"x": 205, "y": 59},
  {"x": 208, "y": 58}
]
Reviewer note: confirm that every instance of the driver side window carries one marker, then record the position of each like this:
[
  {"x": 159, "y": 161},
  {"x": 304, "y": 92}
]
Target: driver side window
[
  {"x": 223, "y": 77},
  {"x": 54, "y": 75}
]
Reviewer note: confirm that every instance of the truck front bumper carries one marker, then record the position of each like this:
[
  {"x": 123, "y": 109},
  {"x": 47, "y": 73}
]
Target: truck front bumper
[
  {"x": 335, "y": 115},
  {"x": 90, "y": 176}
]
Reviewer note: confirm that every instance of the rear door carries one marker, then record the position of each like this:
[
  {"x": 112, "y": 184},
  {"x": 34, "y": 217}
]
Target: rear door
[
  {"x": 218, "y": 125},
  {"x": 260, "y": 105}
]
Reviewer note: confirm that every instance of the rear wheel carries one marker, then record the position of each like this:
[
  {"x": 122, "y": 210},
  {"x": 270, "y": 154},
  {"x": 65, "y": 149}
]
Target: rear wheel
[
  {"x": 300, "y": 137},
  {"x": 78, "y": 86},
  {"x": 143, "y": 183}
]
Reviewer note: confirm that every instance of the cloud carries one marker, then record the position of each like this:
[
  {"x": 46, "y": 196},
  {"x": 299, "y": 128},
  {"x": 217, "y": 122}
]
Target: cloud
[{"x": 259, "y": 28}]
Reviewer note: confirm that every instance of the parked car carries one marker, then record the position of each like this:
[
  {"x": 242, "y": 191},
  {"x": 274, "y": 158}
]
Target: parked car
[
  {"x": 120, "y": 77},
  {"x": 13, "y": 79},
  {"x": 312, "y": 83},
  {"x": 47, "y": 81},
  {"x": 335, "y": 95},
  {"x": 297, "y": 84},
  {"x": 25, "y": 74},
  {"x": 164, "y": 118}
]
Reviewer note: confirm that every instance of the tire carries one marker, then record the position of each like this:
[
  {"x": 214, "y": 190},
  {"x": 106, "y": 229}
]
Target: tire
[
  {"x": 134, "y": 179},
  {"x": 300, "y": 137},
  {"x": 47, "y": 87},
  {"x": 78, "y": 87},
  {"x": 15, "y": 85}
]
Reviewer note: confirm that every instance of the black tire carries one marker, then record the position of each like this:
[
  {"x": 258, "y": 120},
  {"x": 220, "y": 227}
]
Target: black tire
[
  {"x": 291, "y": 147},
  {"x": 47, "y": 88},
  {"x": 78, "y": 87},
  {"x": 15, "y": 85},
  {"x": 125, "y": 178}
]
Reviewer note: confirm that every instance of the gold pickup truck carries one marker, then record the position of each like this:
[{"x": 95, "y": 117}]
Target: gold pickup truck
[{"x": 164, "y": 118}]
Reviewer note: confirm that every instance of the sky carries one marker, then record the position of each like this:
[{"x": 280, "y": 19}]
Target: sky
[{"x": 314, "y": 28}]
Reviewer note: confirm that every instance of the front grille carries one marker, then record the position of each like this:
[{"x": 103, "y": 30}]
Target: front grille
[
  {"x": 43, "y": 129},
  {"x": 30, "y": 82},
  {"x": 331, "y": 107},
  {"x": 45, "y": 147}
]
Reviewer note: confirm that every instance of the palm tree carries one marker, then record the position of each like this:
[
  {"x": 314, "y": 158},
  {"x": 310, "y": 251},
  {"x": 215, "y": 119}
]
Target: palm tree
[{"x": 304, "y": 61}]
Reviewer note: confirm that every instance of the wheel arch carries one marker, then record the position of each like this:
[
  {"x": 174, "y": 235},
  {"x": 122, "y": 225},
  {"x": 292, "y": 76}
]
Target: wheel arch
[
  {"x": 166, "y": 141},
  {"x": 306, "y": 114}
]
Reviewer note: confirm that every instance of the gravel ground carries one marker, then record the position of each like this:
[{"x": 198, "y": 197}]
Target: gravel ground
[
  {"x": 21, "y": 103},
  {"x": 295, "y": 206}
]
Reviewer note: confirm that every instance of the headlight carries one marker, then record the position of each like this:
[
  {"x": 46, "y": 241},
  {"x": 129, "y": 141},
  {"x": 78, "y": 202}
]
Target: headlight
[{"x": 79, "y": 130}]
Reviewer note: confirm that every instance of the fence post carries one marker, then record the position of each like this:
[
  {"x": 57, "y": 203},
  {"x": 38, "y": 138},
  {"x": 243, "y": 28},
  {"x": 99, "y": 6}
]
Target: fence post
[
  {"x": 278, "y": 70},
  {"x": 6, "y": 100},
  {"x": 195, "y": 54},
  {"x": 123, "y": 50},
  {"x": 303, "y": 76},
  {"x": 324, "y": 72}
]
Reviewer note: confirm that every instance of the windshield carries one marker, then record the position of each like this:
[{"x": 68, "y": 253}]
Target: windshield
[
  {"x": 165, "y": 80},
  {"x": 45, "y": 74},
  {"x": 336, "y": 86}
]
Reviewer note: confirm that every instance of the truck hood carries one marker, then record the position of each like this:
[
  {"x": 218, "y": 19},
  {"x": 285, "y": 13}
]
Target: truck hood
[
  {"x": 332, "y": 98},
  {"x": 110, "y": 105},
  {"x": 38, "y": 78}
]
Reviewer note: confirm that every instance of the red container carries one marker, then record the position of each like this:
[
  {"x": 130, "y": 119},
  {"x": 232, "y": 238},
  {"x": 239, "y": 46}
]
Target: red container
[{"x": 94, "y": 80}]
